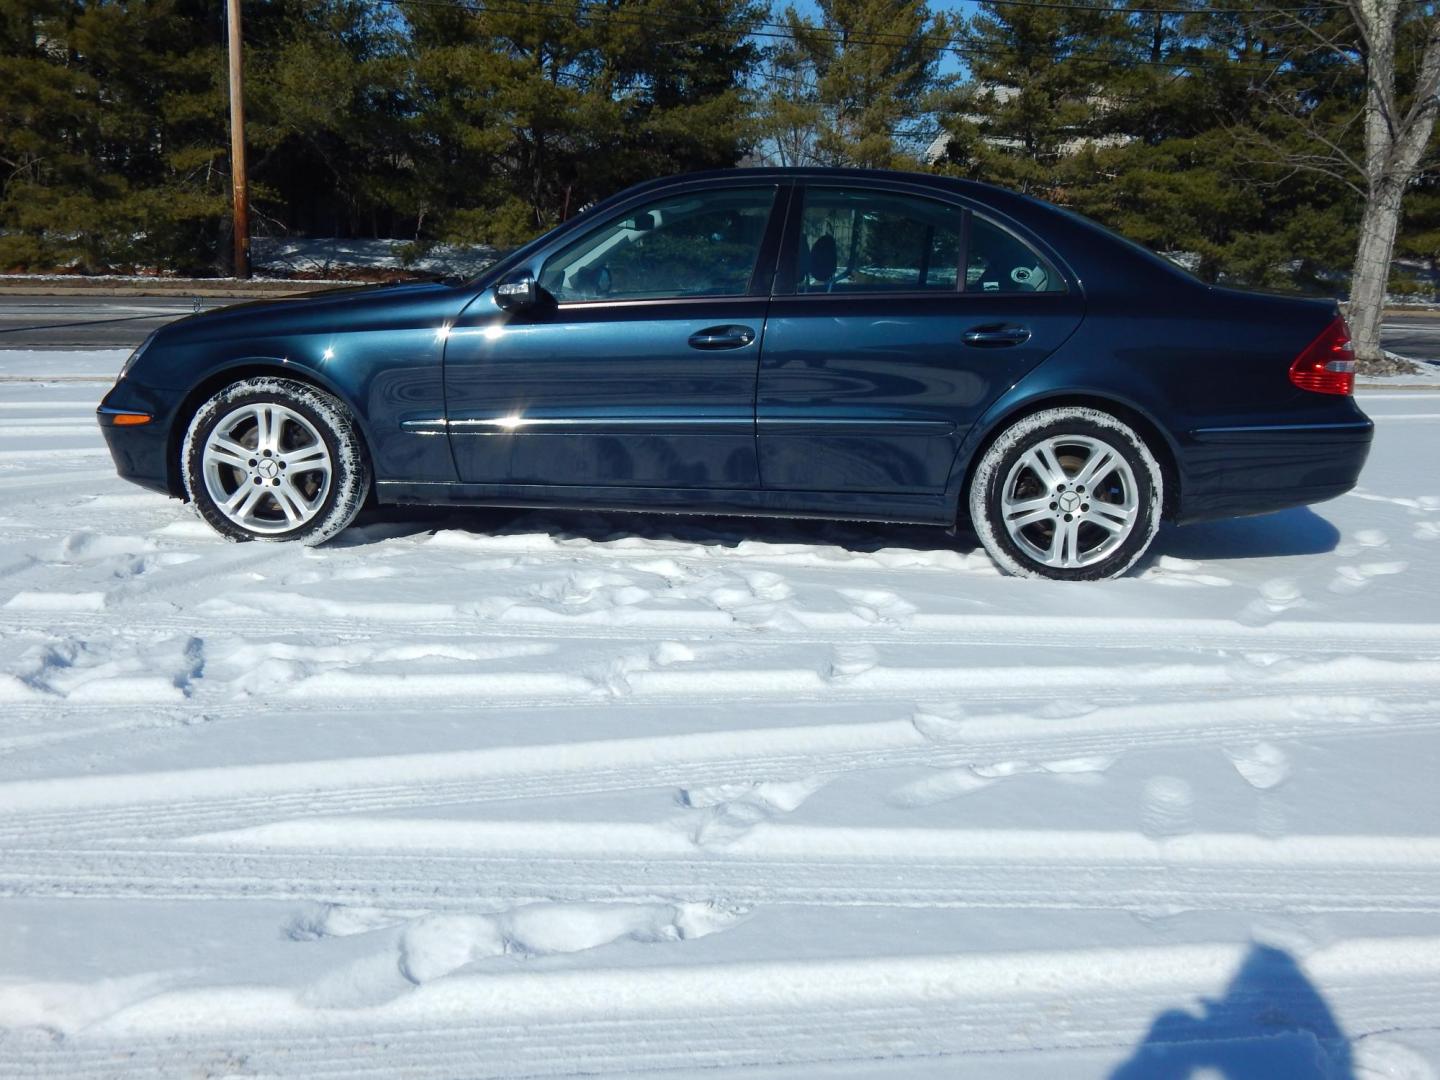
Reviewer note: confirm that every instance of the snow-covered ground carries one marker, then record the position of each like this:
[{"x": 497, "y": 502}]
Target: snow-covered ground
[
  {"x": 496, "y": 793},
  {"x": 307, "y": 255}
]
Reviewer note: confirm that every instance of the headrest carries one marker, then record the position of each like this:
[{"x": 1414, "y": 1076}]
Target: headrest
[{"x": 823, "y": 258}]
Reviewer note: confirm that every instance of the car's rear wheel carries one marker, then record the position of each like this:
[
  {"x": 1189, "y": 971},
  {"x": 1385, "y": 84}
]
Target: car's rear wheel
[
  {"x": 274, "y": 459},
  {"x": 1069, "y": 493}
]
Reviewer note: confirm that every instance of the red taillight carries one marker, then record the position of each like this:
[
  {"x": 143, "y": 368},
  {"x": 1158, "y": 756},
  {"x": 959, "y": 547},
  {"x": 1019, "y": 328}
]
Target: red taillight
[{"x": 1327, "y": 366}]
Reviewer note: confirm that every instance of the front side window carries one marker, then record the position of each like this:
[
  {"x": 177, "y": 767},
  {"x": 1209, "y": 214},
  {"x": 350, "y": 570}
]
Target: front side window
[
  {"x": 998, "y": 262},
  {"x": 703, "y": 243},
  {"x": 874, "y": 241}
]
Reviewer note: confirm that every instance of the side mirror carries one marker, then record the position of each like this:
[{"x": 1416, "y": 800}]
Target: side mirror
[{"x": 517, "y": 292}]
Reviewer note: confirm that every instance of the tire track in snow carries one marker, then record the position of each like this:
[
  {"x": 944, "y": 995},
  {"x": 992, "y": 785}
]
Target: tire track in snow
[
  {"x": 1221, "y": 635},
  {"x": 685, "y": 684},
  {"x": 433, "y": 863},
  {"x": 729, "y": 1015},
  {"x": 184, "y": 801},
  {"x": 49, "y": 477},
  {"x": 50, "y": 455}
]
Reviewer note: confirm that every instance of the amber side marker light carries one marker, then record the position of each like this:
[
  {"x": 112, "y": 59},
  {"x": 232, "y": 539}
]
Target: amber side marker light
[{"x": 130, "y": 419}]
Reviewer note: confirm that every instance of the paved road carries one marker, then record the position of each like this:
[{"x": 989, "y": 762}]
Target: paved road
[
  {"x": 56, "y": 322},
  {"x": 1416, "y": 336}
]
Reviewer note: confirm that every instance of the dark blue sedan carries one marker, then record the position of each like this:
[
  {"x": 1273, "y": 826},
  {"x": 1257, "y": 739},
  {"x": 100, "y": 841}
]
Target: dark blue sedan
[{"x": 801, "y": 343}]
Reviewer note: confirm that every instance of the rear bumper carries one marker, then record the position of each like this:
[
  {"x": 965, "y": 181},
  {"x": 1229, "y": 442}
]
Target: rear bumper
[{"x": 1238, "y": 471}]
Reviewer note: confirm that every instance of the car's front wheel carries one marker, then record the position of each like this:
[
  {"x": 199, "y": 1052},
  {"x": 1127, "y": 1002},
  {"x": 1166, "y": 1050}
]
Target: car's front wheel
[
  {"x": 274, "y": 459},
  {"x": 1069, "y": 493}
]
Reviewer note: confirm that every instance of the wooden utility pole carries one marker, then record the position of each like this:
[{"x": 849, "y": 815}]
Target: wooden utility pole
[{"x": 237, "y": 142}]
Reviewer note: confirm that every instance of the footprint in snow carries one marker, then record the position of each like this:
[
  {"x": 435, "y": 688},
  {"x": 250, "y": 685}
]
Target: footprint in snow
[
  {"x": 851, "y": 660},
  {"x": 1350, "y": 579},
  {"x": 85, "y": 545},
  {"x": 672, "y": 571},
  {"x": 1427, "y": 530},
  {"x": 1276, "y": 595},
  {"x": 949, "y": 784},
  {"x": 878, "y": 606},
  {"x": 436, "y": 945},
  {"x": 732, "y": 810},
  {"x": 941, "y": 787},
  {"x": 940, "y": 723},
  {"x": 614, "y": 675},
  {"x": 1262, "y": 765},
  {"x": 1169, "y": 570},
  {"x": 1167, "y": 806},
  {"x": 755, "y": 600},
  {"x": 340, "y": 920},
  {"x": 1361, "y": 541},
  {"x": 590, "y": 590},
  {"x": 430, "y": 946}
]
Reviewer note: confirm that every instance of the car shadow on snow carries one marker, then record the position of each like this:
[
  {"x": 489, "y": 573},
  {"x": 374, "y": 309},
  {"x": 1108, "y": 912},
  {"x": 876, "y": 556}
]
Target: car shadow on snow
[
  {"x": 1271, "y": 1023},
  {"x": 717, "y": 531},
  {"x": 1299, "y": 531}
]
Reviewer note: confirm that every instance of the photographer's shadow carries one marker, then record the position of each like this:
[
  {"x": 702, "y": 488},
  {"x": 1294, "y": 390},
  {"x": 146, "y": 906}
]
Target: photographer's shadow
[{"x": 1271, "y": 1023}]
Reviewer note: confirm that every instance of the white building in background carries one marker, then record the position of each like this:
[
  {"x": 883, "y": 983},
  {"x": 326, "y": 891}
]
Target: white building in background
[{"x": 937, "y": 148}]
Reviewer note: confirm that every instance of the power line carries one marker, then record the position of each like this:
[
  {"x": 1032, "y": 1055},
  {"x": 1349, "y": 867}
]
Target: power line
[
  {"x": 584, "y": 9},
  {"x": 1061, "y": 5},
  {"x": 783, "y": 32}
]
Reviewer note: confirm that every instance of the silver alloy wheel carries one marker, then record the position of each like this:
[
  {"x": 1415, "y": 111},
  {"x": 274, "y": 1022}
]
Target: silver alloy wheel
[
  {"x": 267, "y": 468},
  {"x": 1070, "y": 501}
]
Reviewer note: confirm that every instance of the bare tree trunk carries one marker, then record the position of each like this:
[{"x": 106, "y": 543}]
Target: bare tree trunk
[
  {"x": 1371, "y": 273},
  {"x": 1395, "y": 139}
]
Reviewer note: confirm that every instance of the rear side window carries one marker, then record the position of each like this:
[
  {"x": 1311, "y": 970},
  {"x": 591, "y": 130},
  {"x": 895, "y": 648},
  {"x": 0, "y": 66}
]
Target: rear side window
[
  {"x": 874, "y": 241},
  {"x": 999, "y": 262}
]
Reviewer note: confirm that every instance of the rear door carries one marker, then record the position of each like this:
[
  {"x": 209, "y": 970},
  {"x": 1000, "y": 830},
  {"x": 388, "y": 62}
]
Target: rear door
[{"x": 898, "y": 317}]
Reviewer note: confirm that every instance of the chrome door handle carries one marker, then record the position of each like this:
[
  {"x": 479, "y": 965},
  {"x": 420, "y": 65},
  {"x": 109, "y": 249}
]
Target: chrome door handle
[
  {"x": 996, "y": 336},
  {"x": 722, "y": 337}
]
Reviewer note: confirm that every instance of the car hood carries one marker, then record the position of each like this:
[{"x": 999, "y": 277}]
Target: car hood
[{"x": 308, "y": 311}]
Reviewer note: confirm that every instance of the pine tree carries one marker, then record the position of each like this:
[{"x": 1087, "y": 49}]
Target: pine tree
[
  {"x": 1153, "y": 124},
  {"x": 1040, "y": 85},
  {"x": 532, "y": 112},
  {"x": 326, "y": 120},
  {"x": 853, "y": 87},
  {"x": 1419, "y": 238},
  {"x": 111, "y": 134}
]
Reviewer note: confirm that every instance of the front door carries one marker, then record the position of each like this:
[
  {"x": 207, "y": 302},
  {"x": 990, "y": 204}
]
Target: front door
[
  {"x": 879, "y": 353},
  {"x": 639, "y": 371}
]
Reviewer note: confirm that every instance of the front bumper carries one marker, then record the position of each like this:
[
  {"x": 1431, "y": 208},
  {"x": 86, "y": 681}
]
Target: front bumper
[
  {"x": 141, "y": 452},
  {"x": 1239, "y": 471}
]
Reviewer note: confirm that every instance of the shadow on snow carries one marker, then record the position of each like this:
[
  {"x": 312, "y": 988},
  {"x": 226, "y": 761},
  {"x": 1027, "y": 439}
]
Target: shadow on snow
[
  {"x": 1271, "y": 1024},
  {"x": 1299, "y": 531}
]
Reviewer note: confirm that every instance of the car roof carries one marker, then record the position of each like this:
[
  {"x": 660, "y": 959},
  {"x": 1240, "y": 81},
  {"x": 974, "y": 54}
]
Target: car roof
[
  {"x": 973, "y": 188},
  {"x": 1098, "y": 258},
  {"x": 1094, "y": 253}
]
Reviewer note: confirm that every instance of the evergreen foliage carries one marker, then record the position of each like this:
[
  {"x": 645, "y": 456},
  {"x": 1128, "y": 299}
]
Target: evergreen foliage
[
  {"x": 1179, "y": 130},
  {"x": 111, "y": 133},
  {"x": 849, "y": 88},
  {"x": 1191, "y": 129},
  {"x": 442, "y": 120}
]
